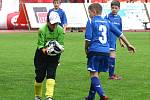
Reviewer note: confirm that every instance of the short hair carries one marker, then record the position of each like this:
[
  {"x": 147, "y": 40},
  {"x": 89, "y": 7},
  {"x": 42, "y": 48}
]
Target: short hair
[
  {"x": 97, "y": 7},
  {"x": 115, "y": 3},
  {"x": 56, "y": 1}
]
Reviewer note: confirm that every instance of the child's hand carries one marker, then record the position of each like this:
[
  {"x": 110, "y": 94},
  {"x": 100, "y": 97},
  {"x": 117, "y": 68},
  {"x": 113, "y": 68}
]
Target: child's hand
[{"x": 131, "y": 49}]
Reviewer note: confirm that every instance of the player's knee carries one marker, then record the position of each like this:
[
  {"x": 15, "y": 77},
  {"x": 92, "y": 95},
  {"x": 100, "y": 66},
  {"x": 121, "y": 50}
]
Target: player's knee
[
  {"x": 113, "y": 54},
  {"x": 51, "y": 76},
  {"x": 39, "y": 79}
]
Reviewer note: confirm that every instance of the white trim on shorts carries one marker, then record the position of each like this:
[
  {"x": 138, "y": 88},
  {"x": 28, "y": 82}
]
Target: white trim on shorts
[
  {"x": 112, "y": 49},
  {"x": 90, "y": 69}
]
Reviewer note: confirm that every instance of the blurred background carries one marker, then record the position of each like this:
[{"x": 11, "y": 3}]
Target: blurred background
[
  {"x": 31, "y": 14},
  {"x": 19, "y": 23}
]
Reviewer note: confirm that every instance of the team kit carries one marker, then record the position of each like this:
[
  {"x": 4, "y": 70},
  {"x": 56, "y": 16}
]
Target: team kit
[{"x": 100, "y": 36}]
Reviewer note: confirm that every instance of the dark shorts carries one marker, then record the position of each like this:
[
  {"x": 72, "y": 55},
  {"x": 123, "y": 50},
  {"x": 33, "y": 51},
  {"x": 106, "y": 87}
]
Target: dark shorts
[
  {"x": 112, "y": 42},
  {"x": 45, "y": 65},
  {"x": 97, "y": 62}
]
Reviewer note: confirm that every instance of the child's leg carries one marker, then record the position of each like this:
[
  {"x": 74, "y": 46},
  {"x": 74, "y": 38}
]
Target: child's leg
[
  {"x": 97, "y": 85},
  {"x": 50, "y": 83},
  {"x": 38, "y": 89},
  {"x": 95, "y": 81},
  {"x": 111, "y": 66},
  {"x": 92, "y": 93},
  {"x": 112, "y": 61}
]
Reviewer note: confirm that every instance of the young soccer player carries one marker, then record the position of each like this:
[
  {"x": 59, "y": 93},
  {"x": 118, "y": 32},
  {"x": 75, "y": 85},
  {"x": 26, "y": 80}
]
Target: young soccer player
[
  {"x": 46, "y": 64},
  {"x": 97, "y": 48},
  {"x": 114, "y": 18},
  {"x": 61, "y": 13}
]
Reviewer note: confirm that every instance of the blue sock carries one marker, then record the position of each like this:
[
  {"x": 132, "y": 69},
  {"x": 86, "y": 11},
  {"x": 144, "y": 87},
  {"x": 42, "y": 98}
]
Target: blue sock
[
  {"x": 97, "y": 86},
  {"x": 111, "y": 66},
  {"x": 92, "y": 93}
]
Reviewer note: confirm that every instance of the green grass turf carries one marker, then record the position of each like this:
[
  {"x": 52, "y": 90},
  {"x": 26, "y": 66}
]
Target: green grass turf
[{"x": 72, "y": 81}]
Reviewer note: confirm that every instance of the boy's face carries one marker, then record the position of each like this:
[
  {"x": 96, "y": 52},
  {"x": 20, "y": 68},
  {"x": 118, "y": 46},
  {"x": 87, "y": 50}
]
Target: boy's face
[
  {"x": 56, "y": 4},
  {"x": 92, "y": 13},
  {"x": 52, "y": 26},
  {"x": 115, "y": 9}
]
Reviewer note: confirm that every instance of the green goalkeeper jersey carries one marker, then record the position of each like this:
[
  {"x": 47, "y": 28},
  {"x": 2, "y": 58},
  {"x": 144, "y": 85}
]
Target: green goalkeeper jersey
[{"x": 45, "y": 35}]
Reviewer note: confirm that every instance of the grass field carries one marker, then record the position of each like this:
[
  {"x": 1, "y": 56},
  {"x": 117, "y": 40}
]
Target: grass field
[{"x": 72, "y": 81}]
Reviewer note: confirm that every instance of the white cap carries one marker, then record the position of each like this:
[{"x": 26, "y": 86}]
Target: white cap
[{"x": 54, "y": 17}]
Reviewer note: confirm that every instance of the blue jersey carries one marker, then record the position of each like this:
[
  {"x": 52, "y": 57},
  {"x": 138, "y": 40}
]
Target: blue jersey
[
  {"x": 62, "y": 16},
  {"x": 117, "y": 21},
  {"x": 97, "y": 33}
]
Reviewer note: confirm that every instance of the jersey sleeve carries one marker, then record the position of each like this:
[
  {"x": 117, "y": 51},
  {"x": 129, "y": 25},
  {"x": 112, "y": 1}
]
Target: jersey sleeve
[
  {"x": 115, "y": 30},
  {"x": 120, "y": 24},
  {"x": 88, "y": 32},
  {"x": 41, "y": 39},
  {"x": 64, "y": 18}
]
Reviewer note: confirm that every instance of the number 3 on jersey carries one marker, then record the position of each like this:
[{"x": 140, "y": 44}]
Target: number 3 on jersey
[{"x": 103, "y": 37}]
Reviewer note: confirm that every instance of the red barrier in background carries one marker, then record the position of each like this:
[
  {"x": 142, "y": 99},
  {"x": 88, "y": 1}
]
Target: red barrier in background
[
  {"x": 11, "y": 19},
  {"x": 11, "y": 22}
]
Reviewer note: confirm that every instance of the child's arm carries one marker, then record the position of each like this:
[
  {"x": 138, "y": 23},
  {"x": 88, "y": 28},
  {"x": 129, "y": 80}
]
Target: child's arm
[
  {"x": 119, "y": 34},
  {"x": 127, "y": 43},
  {"x": 86, "y": 47},
  {"x": 121, "y": 43}
]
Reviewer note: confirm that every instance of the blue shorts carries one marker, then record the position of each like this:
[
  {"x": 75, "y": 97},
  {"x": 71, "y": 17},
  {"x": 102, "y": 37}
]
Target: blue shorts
[
  {"x": 98, "y": 63},
  {"x": 112, "y": 42}
]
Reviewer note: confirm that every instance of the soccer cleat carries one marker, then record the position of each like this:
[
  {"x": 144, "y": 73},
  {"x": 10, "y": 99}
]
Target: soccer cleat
[
  {"x": 37, "y": 98},
  {"x": 115, "y": 77},
  {"x": 104, "y": 98},
  {"x": 49, "y": 98}
]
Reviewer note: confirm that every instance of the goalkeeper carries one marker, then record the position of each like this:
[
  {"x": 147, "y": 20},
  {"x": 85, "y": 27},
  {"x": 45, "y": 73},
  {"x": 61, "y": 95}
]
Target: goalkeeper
[{"x": 47, "y": 55}]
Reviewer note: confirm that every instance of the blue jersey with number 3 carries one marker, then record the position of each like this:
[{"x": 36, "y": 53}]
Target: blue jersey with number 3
[{"x": 97, "y": 33}]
